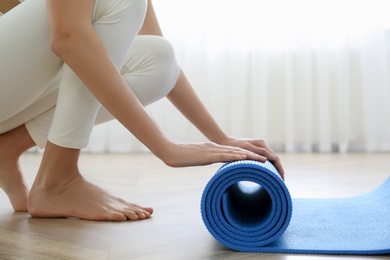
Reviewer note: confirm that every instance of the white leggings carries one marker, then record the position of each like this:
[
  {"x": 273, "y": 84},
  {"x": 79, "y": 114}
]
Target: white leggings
[{"x": 37, "y": 89}]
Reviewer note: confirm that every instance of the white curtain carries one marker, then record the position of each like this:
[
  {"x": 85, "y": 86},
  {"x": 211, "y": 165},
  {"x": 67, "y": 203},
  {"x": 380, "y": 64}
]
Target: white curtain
[{"x": 304, "y": 75}]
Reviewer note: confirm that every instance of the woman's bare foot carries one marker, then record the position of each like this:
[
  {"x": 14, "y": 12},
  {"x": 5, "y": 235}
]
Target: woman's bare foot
[
  {"x": 79, "y": 198},
  {"x": 12, "y": 145},
  {"x": 59, "y": 190}
]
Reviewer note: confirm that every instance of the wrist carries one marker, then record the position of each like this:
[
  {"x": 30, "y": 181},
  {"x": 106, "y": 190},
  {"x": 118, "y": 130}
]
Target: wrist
[
  {"x": 163, "y": 149},
  {"x": 220, "y": 138}
]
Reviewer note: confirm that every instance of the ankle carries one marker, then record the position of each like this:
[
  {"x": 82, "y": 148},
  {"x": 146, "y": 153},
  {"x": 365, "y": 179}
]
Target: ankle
[
  {"x": 56, "y": 180},
  {"x": 15, "y": 142},
  {"x": 58, "y": 168},
  {"x": 9, "y": 160}
]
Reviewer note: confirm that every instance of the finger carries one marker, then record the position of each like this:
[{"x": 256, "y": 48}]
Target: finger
[
  {"x": 263, "y": 151},
  {"x": 280, "y": 169},
  {"x": 247, "y": 152},
  {"x": 228, "y": 157},
  {"x": 270, "y": 155},
  {"x": 257, "y": 150},
  {"x": 224, "y": 153},
  {"x": 278, "y": 165},
  {"x": 256, "y": 157}
]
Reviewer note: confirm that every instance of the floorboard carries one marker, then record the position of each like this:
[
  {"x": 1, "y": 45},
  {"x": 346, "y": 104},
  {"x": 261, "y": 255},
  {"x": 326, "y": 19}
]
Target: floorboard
[{"x": 176, "y": 230}]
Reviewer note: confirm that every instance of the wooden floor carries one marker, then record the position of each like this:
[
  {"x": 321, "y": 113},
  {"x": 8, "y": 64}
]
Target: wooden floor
[{"x": 176, "y": 230}]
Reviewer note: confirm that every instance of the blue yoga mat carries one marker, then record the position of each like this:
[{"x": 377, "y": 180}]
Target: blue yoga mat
[{"x": 247, "y": 207}]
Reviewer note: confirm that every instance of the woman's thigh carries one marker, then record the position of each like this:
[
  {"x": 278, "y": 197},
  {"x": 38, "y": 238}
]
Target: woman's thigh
[
  {"x": 150, "y": 70},
  {"x": 27, "y": 64},
  {"x": 29, "y": 71}
]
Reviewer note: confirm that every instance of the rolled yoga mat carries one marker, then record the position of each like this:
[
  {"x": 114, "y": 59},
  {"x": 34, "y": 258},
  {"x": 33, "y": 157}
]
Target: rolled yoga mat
[{"x": 247, "y": 207}]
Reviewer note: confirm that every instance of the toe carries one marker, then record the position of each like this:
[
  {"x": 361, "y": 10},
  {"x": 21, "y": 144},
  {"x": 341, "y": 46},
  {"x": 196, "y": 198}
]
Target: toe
[
  {"x": 131, "y": 215},
  {"x": 140, "y": 213},
  {"x": 149, "y": 210},
  {"x": 116, "y": 216}
]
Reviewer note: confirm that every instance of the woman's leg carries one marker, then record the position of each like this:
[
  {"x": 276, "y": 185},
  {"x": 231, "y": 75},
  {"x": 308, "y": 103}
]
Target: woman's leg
[
  {"x": 59, "y": 189},
  {"x": 151, "y": 71},
  {"x": 12, "y": 145},
  {"x": 24, "y": 32},
  {"x": 27, "y": 67}
]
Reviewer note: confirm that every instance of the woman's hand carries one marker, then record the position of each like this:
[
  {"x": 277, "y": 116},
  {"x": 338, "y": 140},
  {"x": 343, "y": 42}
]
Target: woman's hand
[
  {"x": 257, "y": 146},
  {"x": 182, "y": 155}
]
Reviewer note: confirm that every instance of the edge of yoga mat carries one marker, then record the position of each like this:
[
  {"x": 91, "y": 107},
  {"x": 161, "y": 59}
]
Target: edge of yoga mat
[{"x": 264, "y": 218}]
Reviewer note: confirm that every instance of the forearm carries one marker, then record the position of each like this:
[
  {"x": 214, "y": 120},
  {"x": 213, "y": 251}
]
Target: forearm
[
  {"x": 6, "y": 5},
  {"x": 184, "y": 98}
]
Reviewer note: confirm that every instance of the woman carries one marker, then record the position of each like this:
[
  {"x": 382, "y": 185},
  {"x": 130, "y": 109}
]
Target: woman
[{"x": 76, "y": 51}]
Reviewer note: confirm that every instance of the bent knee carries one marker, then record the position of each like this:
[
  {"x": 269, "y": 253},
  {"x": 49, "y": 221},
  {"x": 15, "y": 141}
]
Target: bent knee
[
  {"x": 152, "y": 55},
  {"x": 160, "y": 48},
  {"x": 151, "y": 69}
]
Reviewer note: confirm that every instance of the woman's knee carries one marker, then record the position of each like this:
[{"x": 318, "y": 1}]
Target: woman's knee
[
  {"x": 159, "y": 47},
  {"x": 151, "y": 69},
  {"x": 151, "y": 52},
  {"x": 164, "y": 56}
]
